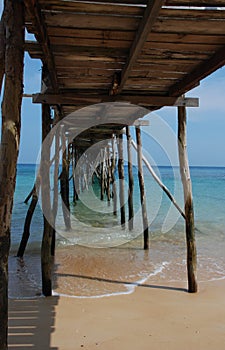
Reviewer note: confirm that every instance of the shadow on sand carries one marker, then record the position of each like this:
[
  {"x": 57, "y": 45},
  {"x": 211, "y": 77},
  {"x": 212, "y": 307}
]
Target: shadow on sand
[{"x": 26, "y": 327}]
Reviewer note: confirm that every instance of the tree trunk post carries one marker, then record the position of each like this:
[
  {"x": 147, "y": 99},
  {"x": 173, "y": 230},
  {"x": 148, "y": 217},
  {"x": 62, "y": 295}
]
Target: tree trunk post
[
  {"x": 131, "y": 181},
  {"x": 121, "y": 180},
  {"x": 188, "y": 200},
  {"x": 142, "y": 189},
  {"x": 64, "y": 183},
  {"x": 29, "y": 216},
  {"x": 46, "y": 261},
  {"x": 10, "y": 140},
  {"x": 2, "y": 51},
  {"x": 113, "y": 168}
]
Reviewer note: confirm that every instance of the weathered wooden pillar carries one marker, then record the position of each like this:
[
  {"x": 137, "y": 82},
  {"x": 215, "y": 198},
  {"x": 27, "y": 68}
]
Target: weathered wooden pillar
[
  {"x": 28, "y": 219},
  {"x": 188, "y": 200},
  {"x": 121, "y": 180},
  {"x": 46, "y": 260},
  {"x": 10, "y": 140},
  {"x": 113, "y": 168},
  {"x": 64, "y": 183},
  {"x": 130, "y": 180},
  {"x": 108, "y": 174},
  {"x": 102, "y": 174},
  {"x": 142, "y": 188},
  {"x": 2, "y": 51}
]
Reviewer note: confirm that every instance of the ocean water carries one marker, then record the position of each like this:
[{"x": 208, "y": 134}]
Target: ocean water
[{"x": 97, "y": 258}]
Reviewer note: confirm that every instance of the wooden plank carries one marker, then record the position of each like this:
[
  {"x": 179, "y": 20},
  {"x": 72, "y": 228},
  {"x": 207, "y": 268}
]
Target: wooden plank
[
  {"x": 186, "y": 38},
  {"x": 2, "y": 52},
  {"x": 200, "y": 71},
  {"x": 62, "y": 50},
  {"x": 62, "y": 64},
  {"x": 201, "y": 27},
  {"x": 42, "y": 37},
  {"x": 167, "y": 54},
  {"x": 191, "y": 14},
  {"x": 103, "y": 34},
  {"x": 91, "y": 22},
  {"x": 93, "y": 8},
  {"x": 207, "y": 3},
  {"x": 73, "y": 98},
  {"x": 181, "y": 47},
  {"x": 144, "y": 28},
  {"x": 96, "y": 43}
]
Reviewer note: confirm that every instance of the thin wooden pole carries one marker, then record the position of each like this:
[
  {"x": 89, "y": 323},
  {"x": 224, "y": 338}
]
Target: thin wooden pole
[
  {"x": 142, "y": 189},
  {"x": 113, "y": 168},
  {"x": 10, "y": 140},
  {"x": 188, "y": 200},
  {"x": 46, "y": 261},
  {"x": 121, "y": 180},
  {"x": 108, "y": 175},
  {"x": 64, "y": 183},
  {"x": 131, "y": 181},
  {"x": 2, "y": 50},
  {"x": 102, "y": 176},
  {"x": 29, "y": 216}
]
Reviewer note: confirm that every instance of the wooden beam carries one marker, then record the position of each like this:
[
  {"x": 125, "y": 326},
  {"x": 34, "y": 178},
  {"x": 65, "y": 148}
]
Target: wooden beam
[
  {"x": 188, "y": 201},
  {"x": 10, "y": 141},
  {"x": 146, "y": 24},
  {"x": 144, "y": 100},
  {"x": 200, "y": 72},
  {"x": 35, "y": 15}
]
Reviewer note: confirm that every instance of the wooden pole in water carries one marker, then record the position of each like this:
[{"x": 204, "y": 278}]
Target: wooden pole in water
[
  {"x": 113, "y": 168},
  {"x": 131, "y": 181},
  {"x": 142, "y": 188},
  {"x": 10, "y": 140},
  {"x": 29, "y": 216},
  {"x": 64, "y": 183},
  {"x": 46, "y": 261},
  {"x": 188, "y": 200},
  {"x": 121, "y": 180},
  {"x": 102, "y": 176}
]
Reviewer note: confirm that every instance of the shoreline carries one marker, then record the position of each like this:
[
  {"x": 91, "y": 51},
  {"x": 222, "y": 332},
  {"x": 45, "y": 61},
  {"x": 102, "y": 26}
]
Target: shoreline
[{"x": 160, "y": 317}]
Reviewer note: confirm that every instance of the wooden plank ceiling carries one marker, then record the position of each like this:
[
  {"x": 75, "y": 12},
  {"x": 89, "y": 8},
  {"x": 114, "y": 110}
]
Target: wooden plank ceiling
[{"x": 144, "y": 52}]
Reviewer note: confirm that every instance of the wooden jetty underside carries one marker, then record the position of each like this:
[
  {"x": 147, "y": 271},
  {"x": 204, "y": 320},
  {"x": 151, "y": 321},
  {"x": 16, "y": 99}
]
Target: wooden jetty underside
[{"x": 147, "y": 53}]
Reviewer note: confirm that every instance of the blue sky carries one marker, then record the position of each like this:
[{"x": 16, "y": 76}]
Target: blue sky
[{"x": 206, "y": 124}]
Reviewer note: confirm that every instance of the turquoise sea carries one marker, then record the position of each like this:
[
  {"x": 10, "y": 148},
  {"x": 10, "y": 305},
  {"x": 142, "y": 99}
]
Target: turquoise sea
[{"x": 97, "y": 258}]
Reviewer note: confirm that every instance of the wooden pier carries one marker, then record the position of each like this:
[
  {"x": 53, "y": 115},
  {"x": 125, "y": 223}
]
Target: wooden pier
[{"x": 139, "y": 54}]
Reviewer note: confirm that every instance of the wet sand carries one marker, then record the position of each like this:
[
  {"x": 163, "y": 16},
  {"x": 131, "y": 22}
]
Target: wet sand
[{"x": 153, "y": 317}]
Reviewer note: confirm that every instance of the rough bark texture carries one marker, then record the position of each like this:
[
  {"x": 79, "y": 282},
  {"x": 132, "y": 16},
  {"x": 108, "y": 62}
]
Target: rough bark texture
[
  {"x": 131, "y": 181},
  {"x": 142, "y": 189},
  {"x": 2, "y": 51},
  {"x": 46, "y": 261},
  {"x": 10, "y": 139},
  {"x": 121, "y": 180},
  {"x": 64, "y": 184},
  {"x": 113, "y": 167},
  {"x": 189, "y": 211}
]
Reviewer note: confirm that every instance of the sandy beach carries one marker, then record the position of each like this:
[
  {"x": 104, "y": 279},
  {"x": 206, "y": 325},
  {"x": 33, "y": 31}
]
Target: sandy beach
[{"x": 154, "y": 316}]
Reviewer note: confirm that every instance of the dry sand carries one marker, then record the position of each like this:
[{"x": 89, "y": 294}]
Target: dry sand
[{"x": 152, "y": 317}]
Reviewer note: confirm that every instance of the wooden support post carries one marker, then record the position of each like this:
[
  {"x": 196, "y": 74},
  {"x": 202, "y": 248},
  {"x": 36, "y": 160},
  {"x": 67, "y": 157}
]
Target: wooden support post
[
  {"x": 121, "y": 180},
  {"x": 46, "y": 261},
  {"x": 10, "y": 140},
  {"x": 2, "y": 51},
  {"x": 56, "y": 191},
  {"x": 113, "y": 168},
  {"x": 29, "y": 216},
  {"x": 131, "y": 181},
  {"x": 142, "y": 188},
  {"x": 102, "y": 174},
  {"x": 73, "y": 172},
  {"x": 188, "y": 200},
  {"x": 64, "y": 183},
  {"x": 108, "y": 175}
]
